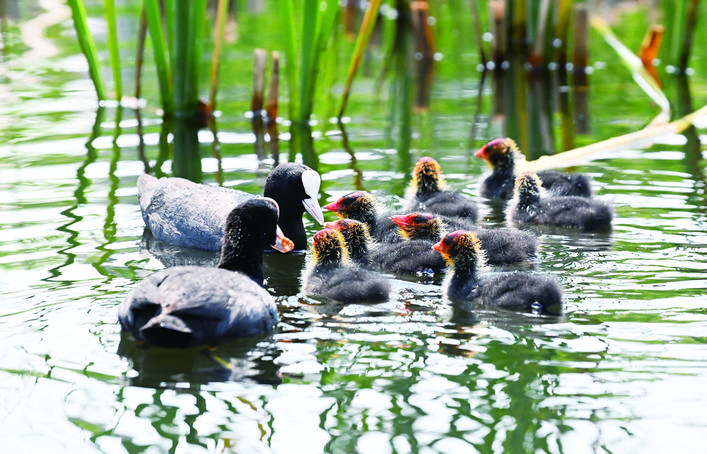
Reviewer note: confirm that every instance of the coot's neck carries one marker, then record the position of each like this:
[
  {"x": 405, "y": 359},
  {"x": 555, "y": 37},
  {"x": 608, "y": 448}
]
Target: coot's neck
[
  {"x": 504, "y": 165},
  {"x": 528, "y": 195},
  {"x": 357, "y": 245},
  {"x": 290, "y": 222},
  {"x": 427, "y": 183},
  {"x": 430, "y": 231},
  {"x": 365, "y": 213},
  {"x": 327, "y": 262},
  {"x": 463, "y": 279},
  {"x": 242, "y": 252}
]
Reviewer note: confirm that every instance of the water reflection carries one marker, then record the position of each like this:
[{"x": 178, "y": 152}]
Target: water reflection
[{"x": 248, "y": 359}]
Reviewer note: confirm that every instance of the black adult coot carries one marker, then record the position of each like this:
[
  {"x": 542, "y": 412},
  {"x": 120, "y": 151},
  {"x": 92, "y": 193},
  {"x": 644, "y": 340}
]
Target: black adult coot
[
  {"x": 186, "y": 306},
  {"x": 500, "y": 246},
  {"x": 363, "y": 207},
  {"x": 506, "y": 161},
  {"x": 183, "y": 213},
  {"x": 429, "y": 192},
  {"x": 530, "y": 205},
  {"x": 330, "y": 273},
  {"x": 516, "y": 290}
]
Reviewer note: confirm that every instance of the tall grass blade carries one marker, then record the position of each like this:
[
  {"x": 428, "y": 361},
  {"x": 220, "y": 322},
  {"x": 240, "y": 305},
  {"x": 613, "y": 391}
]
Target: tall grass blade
[
  {"x": 140, "y": 53},
  {"x": 369, "y": 21},
  {"x": 310, "y": 23},
  {"x": 159, "y": 49},
  {"x": 221, "y": 13},
  {"x": 109, "y": 12},
  {"x": 287, "y": 14},
  {"x": 187, "y": 54},
  {"x": 88, "y": 47}
]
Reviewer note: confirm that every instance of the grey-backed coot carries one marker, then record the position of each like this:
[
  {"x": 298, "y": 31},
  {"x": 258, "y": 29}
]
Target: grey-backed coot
[
  {"x": 506, "y": 159},
  {"x": 516, "y": 290},
  {"x": 184, "y": 213},
  {"x": 186, "y": 306}
]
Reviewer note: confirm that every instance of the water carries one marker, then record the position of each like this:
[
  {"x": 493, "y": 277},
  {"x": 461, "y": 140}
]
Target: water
[{"x": 622, "y": 370}]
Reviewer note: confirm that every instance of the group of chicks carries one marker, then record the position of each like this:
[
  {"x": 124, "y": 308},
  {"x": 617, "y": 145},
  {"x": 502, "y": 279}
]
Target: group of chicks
[{"x": 440, "y": 231}]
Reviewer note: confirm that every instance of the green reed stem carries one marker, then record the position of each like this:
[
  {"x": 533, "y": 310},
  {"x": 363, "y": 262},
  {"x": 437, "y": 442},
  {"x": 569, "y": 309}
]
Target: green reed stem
[
  {"x": 286, "y": 8},
  {"x": 88, "y": 47},
  {"x": 109, "y": 12},
  {"x": 310, "y": 22},
  {"x": 159, "y": 48},
  {"x": 364, "y": 34},
  {"x": 189, "y": 17},
  {"x": 221, "y": 13}
]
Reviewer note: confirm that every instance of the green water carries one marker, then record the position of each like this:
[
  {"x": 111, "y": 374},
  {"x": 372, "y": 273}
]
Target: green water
[{"x": 622, "y": 370}]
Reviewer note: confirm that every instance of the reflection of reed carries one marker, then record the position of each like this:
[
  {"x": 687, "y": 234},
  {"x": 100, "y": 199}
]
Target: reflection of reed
[{"x": 80, "y": 199}]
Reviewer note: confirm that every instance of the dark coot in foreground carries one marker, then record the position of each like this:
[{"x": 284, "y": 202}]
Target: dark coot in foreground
[
  {"x": 429, "y": 192},
  {"x": 183, "y": 213},
  {"x": 363, "y": 207},
  {"x": 515, "y": 290},
  {"x": 530, "y": 205},
  {"x": 330, "y": 273},
  {"x": 186, "y": 306},
  {"x": 500, "y": 246},
  {"x": 506, "y": 162}
]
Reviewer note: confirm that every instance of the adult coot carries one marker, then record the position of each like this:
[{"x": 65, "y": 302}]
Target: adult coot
[
  {"x": 506, "y": 160},
  {"x": 184, "y": 213},
  {"x": 330, "y": 273},
  {"x": 530, "y": 205},
  {"x": 429, "y": 192},
  {"x": 516, "y": 290},
  {"x": 186, "y": 306}
]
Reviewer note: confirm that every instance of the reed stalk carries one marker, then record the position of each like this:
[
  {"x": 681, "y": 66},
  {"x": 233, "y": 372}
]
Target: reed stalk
[
  {"x": 221, "y": 13},
  {"x": 286, "y": 9},
  {"x": 260, "y": 57},
  {"x": 189, "y": 18},
  {"x": 109, "y": 12},
  {"x": 364, "y": 35},
  {"x": 473, "y": 4},
  {"x": 88, "y": 47},
  {"x": 640, "y": 138},
  {"x": 274, "y": 91},
  {"x": 159, "y": 49},
  {"x": 639, "y": 73}
]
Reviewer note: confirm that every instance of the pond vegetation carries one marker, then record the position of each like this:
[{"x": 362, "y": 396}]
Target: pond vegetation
[{"x": 97, "y": 93}]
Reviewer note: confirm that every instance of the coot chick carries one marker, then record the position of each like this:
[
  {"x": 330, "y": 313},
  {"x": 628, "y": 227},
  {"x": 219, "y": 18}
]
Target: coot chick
[
  {"x": 356, "y": 238},
  {"x": 506, "y": 161},
  {"x": 331, "y": 274},
  {"x": 500, "y": 246},
  {"x": 428, "y": 192},
  {"x": 186, "y": 306},
  {"x": 183, "y": 213},
  {"x": 516, "y": 290},
  {"x": 530, "y": 205},
  {"x": 404, "y": 257},
  {"x": 363, "y": 207}
]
